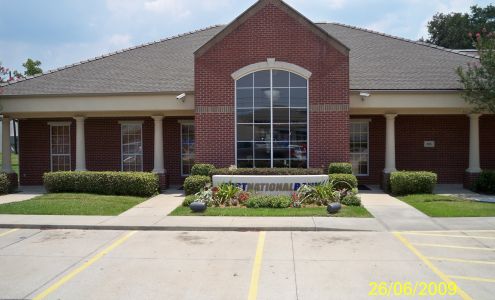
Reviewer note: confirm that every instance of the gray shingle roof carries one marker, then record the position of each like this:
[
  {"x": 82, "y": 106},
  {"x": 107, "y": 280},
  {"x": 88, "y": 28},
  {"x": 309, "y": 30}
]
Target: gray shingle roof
[{"x": 377, "y": 62}]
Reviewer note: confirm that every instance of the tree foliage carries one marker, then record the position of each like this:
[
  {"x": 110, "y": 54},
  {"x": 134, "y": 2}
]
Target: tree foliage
[
  {"x": 32, "y": 67},
  {"x": 7, "y": 75},
  {"x": 478, "y": 78},
  {"x": 450, "y": 30}
]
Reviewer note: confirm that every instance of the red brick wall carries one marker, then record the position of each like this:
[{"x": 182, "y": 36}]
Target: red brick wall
[
  {"x": 34, "y": 149},
  {"x": 450, "y": 157},
  {"x": 487, "y": 142},
  {"x": 103, "y": 143},
  {"x": 103, "y": 148},
  {"x": 271, "y": 33}
]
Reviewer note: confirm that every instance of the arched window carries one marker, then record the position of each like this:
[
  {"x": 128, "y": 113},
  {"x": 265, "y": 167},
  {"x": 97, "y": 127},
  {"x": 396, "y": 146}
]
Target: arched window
[{"x": 272, "y": 120}]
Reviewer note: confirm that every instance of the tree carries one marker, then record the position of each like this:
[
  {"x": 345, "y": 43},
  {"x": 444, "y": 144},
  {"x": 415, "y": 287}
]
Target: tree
[
  {"x": 32, "y": 67},
  {"x": 478, "y": 79},
  {"x": 7, "y": 75},
  {"x": 450, "y": 30}
]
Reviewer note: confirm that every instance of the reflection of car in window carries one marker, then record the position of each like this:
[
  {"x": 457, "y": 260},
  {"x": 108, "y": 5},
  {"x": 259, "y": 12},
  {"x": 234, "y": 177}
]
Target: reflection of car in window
[{"x": 298, "y": 152}]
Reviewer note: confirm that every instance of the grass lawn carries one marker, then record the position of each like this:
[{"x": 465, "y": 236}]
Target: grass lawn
[
  {"x": 15, "y": 162},
  {"x": 72, "y": 204},
  {"x": 449, "y": 206},
  {"x": 348, "y": 211}
]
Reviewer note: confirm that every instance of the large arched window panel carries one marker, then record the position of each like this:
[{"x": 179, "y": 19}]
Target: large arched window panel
[{"x": 272, "y": 120}]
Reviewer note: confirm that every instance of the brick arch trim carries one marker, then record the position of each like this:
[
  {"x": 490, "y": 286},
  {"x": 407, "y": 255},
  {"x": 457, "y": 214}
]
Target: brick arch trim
[{"x": 271, "y": 63}]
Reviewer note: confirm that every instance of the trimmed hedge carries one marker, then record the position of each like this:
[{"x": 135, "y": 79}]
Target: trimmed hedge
[
  {"x": 188, "y": 200},
  {"x": 343, "y": 181},
  {"x": 268, "y": 201},
  {"x": 104, "y": 183},
  {"x": 266, "y": 171},
  {"x": 407, "y": 182},
  {"x": 195, "y": 183},
  {"x": 340, "y": 168},
  {"x": 202, "y": 169},
  {"x": 486, "y": 182},
  {"x": 4, "y": 184}
]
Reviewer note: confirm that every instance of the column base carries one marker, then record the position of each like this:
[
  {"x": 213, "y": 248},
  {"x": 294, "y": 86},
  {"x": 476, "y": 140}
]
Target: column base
[
  {"x": 163, "y": 181},
  {"x": 470, "y": 180},
  {"x": 385, "y": 182}
]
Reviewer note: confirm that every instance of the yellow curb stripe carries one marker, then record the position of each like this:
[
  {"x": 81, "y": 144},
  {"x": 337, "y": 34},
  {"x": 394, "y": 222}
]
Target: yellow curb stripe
[
  {"x": 482, "y": 262},
  {"x": 452, "y": 247},
  {"x": 8, "y": 232},
  {"x": 255, "y": 274},
  {"x": 432, "y": 267},
  {"x": 449, "y": 235},
  {"x": 473, "y": 278},
  {"x": 84, "y": 266}
]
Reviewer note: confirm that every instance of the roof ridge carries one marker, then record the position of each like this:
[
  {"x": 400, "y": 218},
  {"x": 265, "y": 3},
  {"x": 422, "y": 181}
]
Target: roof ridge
[
  {"x": 400, "y": 38},
  {"x": 142, "y": 45}
]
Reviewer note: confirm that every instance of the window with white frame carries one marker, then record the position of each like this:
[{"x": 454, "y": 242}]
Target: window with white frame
[
  {"x": 187, "y": 147},
  {"x": 272, "y": 118},
  {"x": 60, "y": 146},
  {"x": 360, "y": 147},
  {"x": 132, "y": 146}
]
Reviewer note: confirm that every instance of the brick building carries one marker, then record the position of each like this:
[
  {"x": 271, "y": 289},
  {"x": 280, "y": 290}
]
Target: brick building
[{"x": 271, "y": 89}]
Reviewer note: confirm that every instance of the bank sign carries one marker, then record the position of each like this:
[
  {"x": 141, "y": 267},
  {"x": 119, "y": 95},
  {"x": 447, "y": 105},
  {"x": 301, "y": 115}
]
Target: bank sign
[{"x": 271, "y": 185}]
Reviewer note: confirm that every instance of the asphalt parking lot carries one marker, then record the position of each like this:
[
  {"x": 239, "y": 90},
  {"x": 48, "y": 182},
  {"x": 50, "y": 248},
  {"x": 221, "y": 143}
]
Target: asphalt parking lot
[{"x": 79, "y": 264}]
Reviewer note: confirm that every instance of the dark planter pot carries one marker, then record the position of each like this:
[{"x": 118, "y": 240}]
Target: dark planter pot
[
  {"x": 333, "y": 208},
  {"x": 197, "y": 206}
]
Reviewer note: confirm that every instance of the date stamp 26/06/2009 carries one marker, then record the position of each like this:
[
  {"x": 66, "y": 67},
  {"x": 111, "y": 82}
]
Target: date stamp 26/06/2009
[{"x": 412, "y": 289}]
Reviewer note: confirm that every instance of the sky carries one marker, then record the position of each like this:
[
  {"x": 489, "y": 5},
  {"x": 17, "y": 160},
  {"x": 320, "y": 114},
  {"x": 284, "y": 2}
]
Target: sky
[{"x": 62, "y": 32}]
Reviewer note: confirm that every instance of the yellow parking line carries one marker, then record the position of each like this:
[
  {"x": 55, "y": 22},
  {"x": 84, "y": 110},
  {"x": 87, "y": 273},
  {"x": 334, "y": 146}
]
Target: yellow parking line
[
  {"x": 8, "y": 232},
  {"x": 84, "y": 266},
  {"x": 432, "y": 267},
  {"x": 482, "y": 262},
  {"x": 450, "y": 235},
  {"x": 255, "y": 274},
  {"x": 452, "y": 247},
  {"x": 473, "y": 278}
]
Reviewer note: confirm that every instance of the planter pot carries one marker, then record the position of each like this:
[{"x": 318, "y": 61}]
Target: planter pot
[
  {"x": 198, "y": 206},
  {"x": 333, "y": 208}
]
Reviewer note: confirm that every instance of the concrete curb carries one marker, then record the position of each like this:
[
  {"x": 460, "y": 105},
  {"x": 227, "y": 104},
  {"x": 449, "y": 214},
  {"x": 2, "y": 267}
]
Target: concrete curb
[{"x": 178, "y": 228}]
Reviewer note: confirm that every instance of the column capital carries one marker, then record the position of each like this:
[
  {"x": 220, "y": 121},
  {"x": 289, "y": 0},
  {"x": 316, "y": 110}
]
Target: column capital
[
  {"x": 157, "y": 118},
  {"x": 390, "y": 116},
  {"x": 474, "y": 115},
  {"x": 79, "y": 118}
]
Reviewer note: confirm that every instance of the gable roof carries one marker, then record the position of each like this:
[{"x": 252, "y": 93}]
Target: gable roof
[
  {"x": 377, "y": 62},
  {"x": 256, "y": 7}
]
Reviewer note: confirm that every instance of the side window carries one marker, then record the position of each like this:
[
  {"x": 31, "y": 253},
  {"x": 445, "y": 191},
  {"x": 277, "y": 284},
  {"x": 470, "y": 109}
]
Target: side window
[
  {"x": 360, "y": 147},
  {"x": 187, "y": 147},
  {"x": 132, "y": 147},
  {"x": 60, "y": 147}
]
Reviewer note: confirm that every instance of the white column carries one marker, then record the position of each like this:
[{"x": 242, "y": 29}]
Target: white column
[
  {"x": 80, "y": 145},
  {"x": 390, "y": 144},
  {"x": 474, "y": 144},
  {"x": 6, "y": 161},
  {"x": 158, "y": 161}
]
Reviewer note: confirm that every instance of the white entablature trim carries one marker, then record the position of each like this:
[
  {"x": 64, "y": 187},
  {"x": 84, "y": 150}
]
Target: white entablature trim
[{"x": 271, "y": 63}]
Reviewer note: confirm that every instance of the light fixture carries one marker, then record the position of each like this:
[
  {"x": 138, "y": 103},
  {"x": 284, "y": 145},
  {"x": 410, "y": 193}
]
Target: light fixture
[{"x": 364, "y": 95}]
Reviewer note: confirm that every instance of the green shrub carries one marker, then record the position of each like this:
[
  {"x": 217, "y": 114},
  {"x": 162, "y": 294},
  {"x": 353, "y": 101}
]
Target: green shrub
[
  {"x": 351, "y": 199},
  {"x": 340, "y": 168},
  {"x": 320, "y": 194},
  {"x": 486, "y": 182},
  {"x": 268, "y": 201},
  {"x": 202, "y": 169},
  {"x": 188, "y": 200},
  {"x": 266, "y": 171},
  {"x": 104, "y": 183},
  {"x": 405, "y": 183},
  {"x": 195, "y": 183},
  {"x": 13, "y": 182},
  {"x": 4, "y": 184},
  {"x": 343, "y": 181}
]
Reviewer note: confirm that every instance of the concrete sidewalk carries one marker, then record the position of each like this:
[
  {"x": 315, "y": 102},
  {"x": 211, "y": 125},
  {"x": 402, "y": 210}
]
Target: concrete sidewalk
[
  {"x": 25, "y": 193},
  {"x": 394, "y": 214},
  {"x": 458, "y": 190}
]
